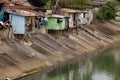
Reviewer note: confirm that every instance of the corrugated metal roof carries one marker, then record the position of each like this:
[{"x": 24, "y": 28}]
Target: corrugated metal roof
[
  {"x": 5, "y": 1},
  {"x": 21, "y": 7},
  {"x": 21, "y": 12},
  {"x": 98, "y": 2},
  {"x": 18, "y": 3},
  {"x": 69, "y": 10},
  {"x": 27, "y": 10},
  {"x": 57, "y": 16},
  {"x": 24, "y": 2}
]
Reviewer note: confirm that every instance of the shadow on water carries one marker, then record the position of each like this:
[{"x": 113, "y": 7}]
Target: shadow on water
[{"x": 100, "y": 66}]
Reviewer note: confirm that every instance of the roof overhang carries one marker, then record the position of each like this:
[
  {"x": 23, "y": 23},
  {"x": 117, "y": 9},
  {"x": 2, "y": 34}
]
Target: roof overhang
[
  {"x": 67, "y": 10},
  {"x": 57, "y": 16},
  {"x": 5, "y": 1}
]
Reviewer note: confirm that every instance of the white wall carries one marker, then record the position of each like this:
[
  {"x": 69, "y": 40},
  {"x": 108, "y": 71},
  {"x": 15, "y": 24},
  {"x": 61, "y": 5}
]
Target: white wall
[
  {"x": 85, "y": 17},
  {"x": 71, "y": 21}
]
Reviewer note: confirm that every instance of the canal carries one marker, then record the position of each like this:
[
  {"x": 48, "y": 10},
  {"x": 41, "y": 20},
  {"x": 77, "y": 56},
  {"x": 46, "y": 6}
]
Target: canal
[{"x": 97, "y": 66}]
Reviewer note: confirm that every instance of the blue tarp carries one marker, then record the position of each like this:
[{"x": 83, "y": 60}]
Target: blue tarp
[{"x": 44, "y": 22}]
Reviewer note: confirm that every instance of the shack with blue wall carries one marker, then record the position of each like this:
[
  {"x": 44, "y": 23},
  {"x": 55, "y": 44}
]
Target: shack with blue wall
[
  {"x": 1, "y": 11},
  {"x": 22, "y": 21},
  {"x": 18, "y": 23},
  {"x": 2, "y": 4}
]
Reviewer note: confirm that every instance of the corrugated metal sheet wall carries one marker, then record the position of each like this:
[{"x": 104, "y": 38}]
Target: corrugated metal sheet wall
[{"x": 18, "y": 24}]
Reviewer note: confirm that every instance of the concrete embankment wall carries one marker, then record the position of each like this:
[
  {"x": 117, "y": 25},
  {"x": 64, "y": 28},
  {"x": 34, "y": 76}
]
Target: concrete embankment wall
[{"x": 19, "y": 59}]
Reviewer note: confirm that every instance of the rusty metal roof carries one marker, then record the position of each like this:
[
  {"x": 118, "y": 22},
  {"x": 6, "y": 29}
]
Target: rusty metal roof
[
  {"x": 18, "y": 3},
  {"x": 69, "y": 10},
  {"x": 23, "y": 11},
  {"x": 22, "y": 7},
  {"x": 21, "y": 2},
  {"x": 97, "y": 3},
  {"x": 5, "y": 1},
  {"x": 58, "y": 16}
]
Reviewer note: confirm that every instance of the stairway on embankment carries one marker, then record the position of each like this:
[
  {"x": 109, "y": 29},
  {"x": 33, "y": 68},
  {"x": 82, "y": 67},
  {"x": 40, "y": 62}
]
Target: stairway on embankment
[{"x": 43, "y": 52}]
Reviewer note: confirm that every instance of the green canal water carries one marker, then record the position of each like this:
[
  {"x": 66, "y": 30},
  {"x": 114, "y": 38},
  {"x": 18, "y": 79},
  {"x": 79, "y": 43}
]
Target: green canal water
[{"x": 98, "y": 66}]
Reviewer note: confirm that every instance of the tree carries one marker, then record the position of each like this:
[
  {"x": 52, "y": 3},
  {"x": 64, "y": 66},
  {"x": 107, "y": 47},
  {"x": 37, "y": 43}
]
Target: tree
[
  {"x": 82, "y": 2},
  {"x": 74, "y": 3},
  {"x": 38, "y": 3},
  {"x": 66, "y": 3},
  {"x": 48, "y": 5},
  {"x": 107, "y": 11}
]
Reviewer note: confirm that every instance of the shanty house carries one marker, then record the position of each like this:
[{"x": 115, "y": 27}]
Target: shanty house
[
  {"x": 71, "y": 14},
  {"x": 21, "y": 2},
  {"x": 22, "y": 21},
  {"x": 2, "y": 2},
  {"x": 1, "y": 12},
  {"x": 78, "y": 17},
  {"x": 4, "y": 27},
  {"x": 57, "y": 22},
  {"x": 84, "y": 17}
]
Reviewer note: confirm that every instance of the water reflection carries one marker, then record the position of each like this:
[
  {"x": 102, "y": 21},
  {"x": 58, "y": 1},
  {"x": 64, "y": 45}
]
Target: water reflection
[
  {"x": 100, "y": 66},
  {"x": 102, "y": 75}
]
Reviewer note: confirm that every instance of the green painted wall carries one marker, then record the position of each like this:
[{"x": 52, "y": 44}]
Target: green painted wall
[{"x": 53, "y": 25}]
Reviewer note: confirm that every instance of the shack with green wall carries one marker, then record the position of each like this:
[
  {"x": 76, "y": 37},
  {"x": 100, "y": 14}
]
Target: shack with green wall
[{"x": 57, "y": 22}]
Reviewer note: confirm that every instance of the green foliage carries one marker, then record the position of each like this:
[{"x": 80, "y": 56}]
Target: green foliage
[
  {"x": 107, "y": 11},
  {"x": 48, "y": 5},
  {"x": 38, "y": 2},
  {"x": 118, "y": 31},
  {"x": 66, "y": 3},
  {"x": 62, "y": 3},
  {"x": 82, "y": 2},
  {"x": 74, "y": 3}
]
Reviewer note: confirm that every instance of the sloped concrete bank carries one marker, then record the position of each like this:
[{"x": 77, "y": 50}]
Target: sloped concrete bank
[{"x": 41, "y": 53}]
